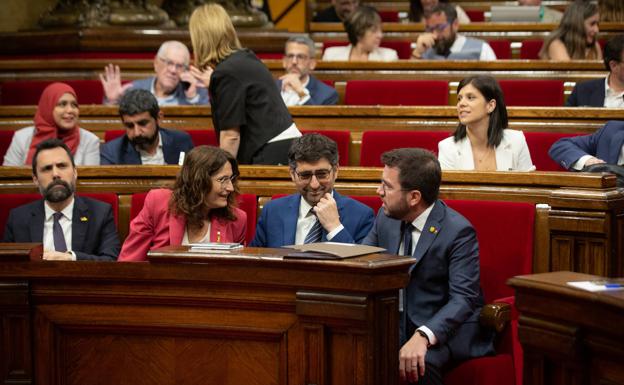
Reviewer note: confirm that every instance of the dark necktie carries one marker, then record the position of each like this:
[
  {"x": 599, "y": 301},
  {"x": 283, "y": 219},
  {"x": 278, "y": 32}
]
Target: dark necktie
[
  {"x": 408, "y": 228},
  {"x": 314, "y": 235},
  {"x": 57, "y": 234}
]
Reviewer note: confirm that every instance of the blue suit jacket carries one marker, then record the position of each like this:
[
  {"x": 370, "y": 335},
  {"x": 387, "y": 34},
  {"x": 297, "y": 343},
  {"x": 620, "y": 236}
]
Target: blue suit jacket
[
  {"x": 146, "y": 84},
  {"x": 589, "y": 94},
  {"x": 443, "y": 293},
  {"x": 121, "y": 151},
  {"x": 320, "y": 93},
  {"x": 278, "y": 222},
  {"x": 604, "y": 144},
  {"x": 93, "y": 239}
]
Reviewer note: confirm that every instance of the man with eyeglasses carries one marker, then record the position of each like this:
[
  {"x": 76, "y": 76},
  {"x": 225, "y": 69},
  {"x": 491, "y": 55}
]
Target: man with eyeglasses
[
  {"x": 317, "y": 212},
  {"x": 442, "y": 42},
  {"x": 144, "y": 142},
  {"x": 173, "y": 84},
  {"x": 298, "y": 87},
  {"x": 440, "y": 307}
]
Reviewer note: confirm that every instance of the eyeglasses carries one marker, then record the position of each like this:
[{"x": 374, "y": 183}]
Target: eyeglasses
[
  {"x": 437, "y": 27},
  {"x": 321, "y": 175},
  {"x": 385, "y": 187},
  {"x": 169, "y": 63},
  {"x": 225, "y": 179},
  {"x": 299, "y": 57}
]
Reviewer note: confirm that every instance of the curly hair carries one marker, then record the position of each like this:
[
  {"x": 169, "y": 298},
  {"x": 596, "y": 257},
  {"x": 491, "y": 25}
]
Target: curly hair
[
  {"x": 194, "y": 182},
  {"x": 571, "y": 31}
]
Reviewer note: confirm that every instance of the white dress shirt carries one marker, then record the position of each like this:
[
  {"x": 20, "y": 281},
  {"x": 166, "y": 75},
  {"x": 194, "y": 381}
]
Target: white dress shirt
[
  {"x": 158, "y": 158},
  {"x": 612, "y": 98},
  {"x": 292, "y": 98},
  {"x": 66, "y": 224}
]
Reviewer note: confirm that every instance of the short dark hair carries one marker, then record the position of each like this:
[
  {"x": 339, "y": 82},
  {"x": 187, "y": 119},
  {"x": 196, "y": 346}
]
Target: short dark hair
[
  {"x": 361, "y": 20},
  {"x": 312, "y": 148},
  {"x": 137, "y": 101},
  {"x": 446, "y": 8},
  {"x": 49, "y": 144},
  {"x": 613, "y": 50},
  {"x": 419, "y": 169},
  {"x": 490, "y": 89}
]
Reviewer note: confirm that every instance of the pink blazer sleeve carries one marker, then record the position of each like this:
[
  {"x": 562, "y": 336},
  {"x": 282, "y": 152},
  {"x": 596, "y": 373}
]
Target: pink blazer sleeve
[{"x": 225, "y": 231}]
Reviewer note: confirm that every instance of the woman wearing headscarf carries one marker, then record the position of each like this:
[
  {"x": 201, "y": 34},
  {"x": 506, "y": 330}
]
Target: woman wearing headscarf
[{"x": 56, "y": 117}]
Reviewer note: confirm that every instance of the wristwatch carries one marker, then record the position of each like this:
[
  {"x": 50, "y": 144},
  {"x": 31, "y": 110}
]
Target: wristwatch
[{"x": 423, "y": 334}]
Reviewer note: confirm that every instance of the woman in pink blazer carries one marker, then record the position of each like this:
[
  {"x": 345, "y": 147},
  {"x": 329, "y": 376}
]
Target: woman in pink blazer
[{"x": 199, "y": 208}]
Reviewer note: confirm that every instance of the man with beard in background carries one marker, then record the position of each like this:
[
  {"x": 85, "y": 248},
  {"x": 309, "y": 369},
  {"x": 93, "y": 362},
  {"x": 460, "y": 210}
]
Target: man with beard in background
[
  {"x": 441, "y": 40},
  {"x": 69, "y": 226},
  {"x": 145, "y": 142}
]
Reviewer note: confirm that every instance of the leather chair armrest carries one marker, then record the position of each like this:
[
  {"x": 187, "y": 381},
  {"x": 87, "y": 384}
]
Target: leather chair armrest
[{"x": 495, "y": 316}]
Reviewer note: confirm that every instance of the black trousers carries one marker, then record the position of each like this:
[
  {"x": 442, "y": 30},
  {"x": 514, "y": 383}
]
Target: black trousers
[{"x": 275, "y": 153}]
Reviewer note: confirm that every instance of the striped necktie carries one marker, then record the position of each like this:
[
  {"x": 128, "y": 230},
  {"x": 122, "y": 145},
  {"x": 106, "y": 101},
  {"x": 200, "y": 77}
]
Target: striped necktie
[{"x": 314, "y": 235}]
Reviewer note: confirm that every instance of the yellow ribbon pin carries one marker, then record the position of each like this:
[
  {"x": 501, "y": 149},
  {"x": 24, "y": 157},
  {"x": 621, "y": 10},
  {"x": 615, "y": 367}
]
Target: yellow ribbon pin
[
  {"x": 84, "y": 219},
  {"x": 432, "y": 229}
]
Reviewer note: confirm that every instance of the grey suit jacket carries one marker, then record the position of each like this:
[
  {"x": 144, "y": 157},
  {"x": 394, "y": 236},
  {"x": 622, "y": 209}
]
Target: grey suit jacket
[
  {"x": 94, "y": 234},
  {"x": 443, "y": 293}
]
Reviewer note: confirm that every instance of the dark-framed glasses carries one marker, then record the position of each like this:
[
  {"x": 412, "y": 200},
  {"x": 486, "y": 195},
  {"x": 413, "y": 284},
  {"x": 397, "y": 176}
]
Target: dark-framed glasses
[
  {"x": 299, "y": 57},
  {"x": 321, "y": 175},
  {"x": 224, "y": 180},
  {"x": 437, "y": 27}
]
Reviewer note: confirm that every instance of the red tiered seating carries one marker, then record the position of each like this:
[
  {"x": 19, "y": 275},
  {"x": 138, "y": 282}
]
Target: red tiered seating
[
  {"x": 403, "y": 47},
  {"x": 502, "y": 48},
  {"x": 11, "y": 201},
  {"x": 27, "y": 92},
  {"x": 246, "y": 202},
  {"x": 530, "y": 49},
  {"x": 545, "y": 93},
  {"x": 397, "y": 92},
  {"x": 389, "y": 16},
  {"x": 505, "y": 232},
  {"x": 475, "y": 15},
  {"x": 539, "y": 143},
  {"x": 375, "y": 143},
  {"x": 5, "y": 142},
  {"x": 342, "y": 139}
]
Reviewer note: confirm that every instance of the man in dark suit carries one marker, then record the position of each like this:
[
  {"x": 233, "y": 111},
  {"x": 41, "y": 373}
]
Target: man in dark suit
[
  {"x": 298, "y": 87},
  {"x": 442, "y": 301},
  {"x": 603, "y": 92},
  {"x": 145, "y": 142},
  {"x": 317, "y": 212},
  {"x": 603, "y": 146},
  {"x": 337, "y": 12},
  {"x": 70, "y": 227}
]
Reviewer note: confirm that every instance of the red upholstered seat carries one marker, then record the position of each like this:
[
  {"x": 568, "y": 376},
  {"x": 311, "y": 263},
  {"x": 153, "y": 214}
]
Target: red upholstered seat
[
  {"x": 83, "y": 55},
  {"x": 396, "y": 92},
  {"x": 375, "y": 143},
  {"x": 530, "y": 49},
  {"x": 342, "y": 139},
  {"x": 539, "y": 143},
  {"x": 374, "y": 202},
  {"x": 199, "y": 137},
  {"x": 27, "y": 92},
  {"x": 505, "y": 232},
  {"x": 5, "y": 142},
  {"x": 389, "y": 16},
  {"x": 545, "y": 93},
  {"x": 113, "y": 134},
  {"x": 502, "y": 48},
  {"x": 11, "y": 201},
  {"x": 403, "y": 47},
  {"x": 475, "y": 15},
  {"x": 270, "y": 55},
  {"x": 246, "y": 202}
]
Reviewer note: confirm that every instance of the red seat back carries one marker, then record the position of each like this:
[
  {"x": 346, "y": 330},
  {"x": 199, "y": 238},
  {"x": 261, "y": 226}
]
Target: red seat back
[
  {"x": 389, "y": 16},
  {"x": 11, "y": 201},
  {"x": 530, "y": 49},
  {"x": 502, "y": 48},
  {"x": 246, "y": 202},
  {"x": 374, "y": 202},
  {"x": 539, "y": 143},
  {"x": 82, "y": 55},
  {"x": 397, "y": 92},
  {"x": 475, "y": 15},
  {"x": 27, "y": 92},
  {"x": 342, "y": 139},
  {"x": 113, "y": 134},
  {"x": 5, "y": 142},
  {"x": 375, "y": 143},
  {"x": 545, "y": 93}
]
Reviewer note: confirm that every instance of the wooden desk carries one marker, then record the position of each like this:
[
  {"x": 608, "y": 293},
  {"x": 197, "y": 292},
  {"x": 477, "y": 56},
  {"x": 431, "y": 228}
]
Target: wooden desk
[
  {"x": 569, "y": 336},
  {"x": 251, "y": 318}
]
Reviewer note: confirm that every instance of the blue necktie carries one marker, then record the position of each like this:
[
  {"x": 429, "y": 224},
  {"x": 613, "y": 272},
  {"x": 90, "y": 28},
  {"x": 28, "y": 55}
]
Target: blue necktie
[
  {"x": 314, "y": 235},
  {"x": 57, "y": 234},
  {"x": 408, "y": 229}
]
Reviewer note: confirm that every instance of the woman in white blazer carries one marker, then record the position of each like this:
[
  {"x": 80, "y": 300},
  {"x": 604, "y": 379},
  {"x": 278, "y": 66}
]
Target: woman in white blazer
[
  {"x": 364, "y": 31},
  {"x": 481, "y": 140}
]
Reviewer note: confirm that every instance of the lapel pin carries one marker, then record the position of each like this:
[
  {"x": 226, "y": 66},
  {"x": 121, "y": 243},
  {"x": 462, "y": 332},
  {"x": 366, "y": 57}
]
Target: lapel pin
[
  {"x": 432, "y": 229},
  {"x": 84, "y": 219}
]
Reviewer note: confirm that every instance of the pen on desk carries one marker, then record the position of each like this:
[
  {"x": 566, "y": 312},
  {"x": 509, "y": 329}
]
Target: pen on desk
[
  {"x": 611, "y": 285},
  {"x": 218, "y": 236}
]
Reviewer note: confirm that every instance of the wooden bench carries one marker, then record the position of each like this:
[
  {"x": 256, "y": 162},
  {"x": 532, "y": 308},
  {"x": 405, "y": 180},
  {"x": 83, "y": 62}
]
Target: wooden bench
[{"x": 580, "y": 229}]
